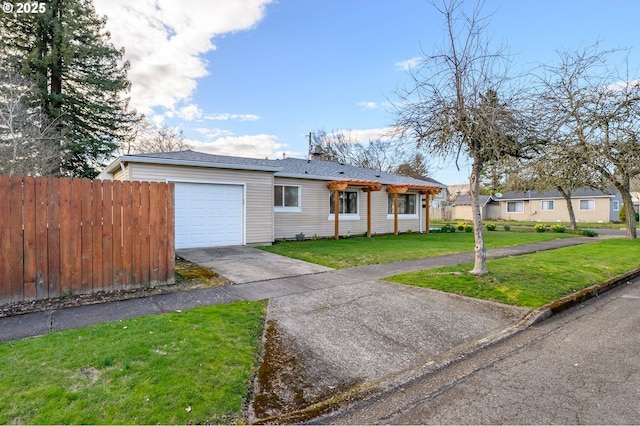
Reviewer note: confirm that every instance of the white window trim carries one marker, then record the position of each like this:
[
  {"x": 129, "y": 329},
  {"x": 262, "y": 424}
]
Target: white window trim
[
  {"x": 616, "y": 206},
  {"x": 401, "y": 216},
  {"x": 515, "y": 202},
  {"x": 284, "y": 209},
  {"x": 345, "y": 216},
  {"x": 587, "y": 199},
  {"x": 547, "y": 201}
]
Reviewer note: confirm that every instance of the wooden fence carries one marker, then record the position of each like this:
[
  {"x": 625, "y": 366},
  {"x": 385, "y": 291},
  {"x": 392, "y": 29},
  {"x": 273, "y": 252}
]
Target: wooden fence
[{"x": 66, "y": 236}]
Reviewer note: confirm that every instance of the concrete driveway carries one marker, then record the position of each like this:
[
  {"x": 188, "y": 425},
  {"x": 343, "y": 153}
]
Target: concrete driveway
[{"x": 241, "y": 264}]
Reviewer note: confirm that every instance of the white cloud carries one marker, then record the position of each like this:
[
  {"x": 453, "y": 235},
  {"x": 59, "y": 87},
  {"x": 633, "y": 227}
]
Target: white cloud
[
  {"x": 227, "y": 116},
  {"x": 164, "y": 41},
  {"x": 368, "y": 105},
  {"x": 252, "y": 146},
  {"x": 409, "y": 64},
  {"x": 367, "y": 135},
  {"x": 190, "y": 112}
]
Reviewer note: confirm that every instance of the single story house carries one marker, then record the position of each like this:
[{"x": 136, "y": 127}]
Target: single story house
[
  {"x": 225, "y": 200},
  {"x": 489, "y": 208},
  {"x": 589, "y": 205}
]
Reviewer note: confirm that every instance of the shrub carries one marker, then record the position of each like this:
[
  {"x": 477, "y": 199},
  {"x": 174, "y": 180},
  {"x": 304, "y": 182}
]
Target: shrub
[
  {"x": 452, "y": 229},
  {"x": 460, "y": 226},
  {"x": 300, "y": 236},
  {"x": 409, "y": 231},
  {"x": 491, "y": 226},
  {"x": 557, "y": 228},
  {"x": 540, "y": 227},
  {"x": 445, "y": 228},
  {"x": 589, "y": 233},
  {"x": 507, "y": 227},
  {"x": 468, "y": 228},
  {"x": 315, "y": 237}
]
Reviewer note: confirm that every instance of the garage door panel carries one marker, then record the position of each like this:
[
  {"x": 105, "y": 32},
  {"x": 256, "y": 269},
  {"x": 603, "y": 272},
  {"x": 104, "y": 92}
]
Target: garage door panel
[{"x": 208, "y": 215}]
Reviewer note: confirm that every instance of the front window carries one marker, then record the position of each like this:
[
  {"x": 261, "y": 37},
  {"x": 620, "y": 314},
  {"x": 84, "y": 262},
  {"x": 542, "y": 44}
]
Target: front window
[
  {"x": 587, "y": 204},
  {"x": 347, "y": 202},
  {"x": 548, "y": 205},
  {"x": 286, "y": 198},
  {"x": 515, "y": 207},
  {"x": 406, "y": 204},
  {"x": 616, "y": 205}
]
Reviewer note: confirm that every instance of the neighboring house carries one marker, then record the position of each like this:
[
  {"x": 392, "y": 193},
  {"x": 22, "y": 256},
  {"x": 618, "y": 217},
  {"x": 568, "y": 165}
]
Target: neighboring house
[
  {"x": 589, "y": 205},
  {"x": 489, "y": 208},
  {"x": 224, "y": 200}
]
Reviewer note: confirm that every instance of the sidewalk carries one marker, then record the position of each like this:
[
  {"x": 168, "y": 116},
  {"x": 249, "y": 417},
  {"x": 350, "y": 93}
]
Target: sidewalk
[{"x": 39, "y": 323}]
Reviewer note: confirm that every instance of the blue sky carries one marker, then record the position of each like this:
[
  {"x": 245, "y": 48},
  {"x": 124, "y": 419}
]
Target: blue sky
[{"x": 254, "y": 77}]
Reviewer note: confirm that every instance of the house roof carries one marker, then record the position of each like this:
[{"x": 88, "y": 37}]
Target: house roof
[
  {"x": 287, "y": 167},
  {"x": 534, "y": 195},
  {"x": 465, "y": 200}
]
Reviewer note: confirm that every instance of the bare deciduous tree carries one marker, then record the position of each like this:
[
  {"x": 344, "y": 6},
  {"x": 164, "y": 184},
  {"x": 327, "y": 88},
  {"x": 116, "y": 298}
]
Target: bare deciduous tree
[
  {"x": 342, "y": 147},
  {"x": 147, "y": 137},
  {"x": 597, "y": 112},
  {"x": 28, "y": 145},
  {"x": 459, "y": 104}
]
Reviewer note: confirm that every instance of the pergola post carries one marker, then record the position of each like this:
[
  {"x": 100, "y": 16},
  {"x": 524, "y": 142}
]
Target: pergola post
[
  {"x": 395, "y": 190},
  {"x": 368, "y": 191},
  {"x": 426, "y": 212},
  {"x": 336, "y": 212}
]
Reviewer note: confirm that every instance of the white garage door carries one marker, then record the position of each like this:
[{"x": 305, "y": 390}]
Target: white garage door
[{"x": 208, "y": 215}]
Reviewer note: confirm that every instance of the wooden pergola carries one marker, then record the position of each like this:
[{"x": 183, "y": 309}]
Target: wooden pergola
[
  {"x": 427, "y": 190},
  {"x": 369, "y": 186}
]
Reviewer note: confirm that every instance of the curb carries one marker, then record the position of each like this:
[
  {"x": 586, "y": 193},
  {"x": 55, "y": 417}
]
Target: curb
[{"x": 322, "y": 412}]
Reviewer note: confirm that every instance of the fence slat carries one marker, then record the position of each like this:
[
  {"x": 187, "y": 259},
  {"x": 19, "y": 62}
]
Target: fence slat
[
  {"x": 86, "y": 223},
  {"x": 161, "y": 207},
  {"x": 96, "y": 193},
  {"x": 145, "y": 257},
  {"x": 107, "y": 235},
  {"x": 136, "y": 243},
  {"x": 29, "y": 235},
  {"x": 66, "y": 244},
  {"x": 5, "y": 244},
  {"x": 76, "y": 237},
  {"x": 117, "y": 235},
  {"x": 17, "y": 242},
  {"x": 42, "y": 258},
  {"x": 171, "y": 235},
  {"x": 53, "y": 236},
  {"x": 154, "y": 219},
  {"x": 127, "y": 207}
]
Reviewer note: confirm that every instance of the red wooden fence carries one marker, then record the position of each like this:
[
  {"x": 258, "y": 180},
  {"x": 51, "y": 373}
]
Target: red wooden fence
[{"x": 64, "y": 236}]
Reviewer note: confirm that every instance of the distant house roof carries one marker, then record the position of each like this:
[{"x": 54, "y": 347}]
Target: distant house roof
[
  {"x": 465, "y": 200},
  {"x": 577, "y": 193},
  {"x": 287, "y": 167}
]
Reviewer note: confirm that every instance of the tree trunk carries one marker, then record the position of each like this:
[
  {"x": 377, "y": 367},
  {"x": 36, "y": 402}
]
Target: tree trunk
[
  {"x": 572, "y": 213},
  {"x": 480, "y": 266},
  {"x": 630, "y": 212}
]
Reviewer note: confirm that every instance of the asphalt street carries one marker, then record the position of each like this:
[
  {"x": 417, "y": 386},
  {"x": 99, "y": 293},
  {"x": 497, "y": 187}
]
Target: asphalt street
[{"x": 578, "y": 367}]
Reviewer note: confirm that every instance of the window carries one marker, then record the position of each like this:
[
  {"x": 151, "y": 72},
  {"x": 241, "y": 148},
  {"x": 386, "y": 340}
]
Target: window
[
  {"x": 406, "y": 204},
  {"x": 616, "y": 205},
  {"x": 515, "y": 206},
  {"x": 348, "y": 202},
  {"x": 587, "y": 204},
  {"x": 548, "y": 205},
  {"x": 286, "y": 198}
]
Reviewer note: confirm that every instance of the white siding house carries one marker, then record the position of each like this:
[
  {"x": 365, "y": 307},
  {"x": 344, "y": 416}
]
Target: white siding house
[{"x": 223, "y": 200}]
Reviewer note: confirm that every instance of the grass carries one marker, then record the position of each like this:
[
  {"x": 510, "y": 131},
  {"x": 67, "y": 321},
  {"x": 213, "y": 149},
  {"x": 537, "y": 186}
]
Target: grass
[
  {"x": 531, "y": 224},
  {"x": 536, "y": 279},
  {"x": 183, "y": 367},
  {"x": 349, "y": 252}
]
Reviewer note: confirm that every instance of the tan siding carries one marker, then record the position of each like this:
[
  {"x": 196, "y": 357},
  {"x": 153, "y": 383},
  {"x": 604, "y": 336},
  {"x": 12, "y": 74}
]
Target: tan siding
[
  {"x": 533, "y": 211},
  {"x": 259, "y": 191},
  {"x": 314, "y": 219}
]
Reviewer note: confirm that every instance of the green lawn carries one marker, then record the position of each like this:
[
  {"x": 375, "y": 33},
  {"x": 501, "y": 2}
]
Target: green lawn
[
  {"x": 183, "y": 367},
  {"x": 531, "y": 224},
  {"x": 536, "y": 279},
  {"x": 349, "y": 252}
]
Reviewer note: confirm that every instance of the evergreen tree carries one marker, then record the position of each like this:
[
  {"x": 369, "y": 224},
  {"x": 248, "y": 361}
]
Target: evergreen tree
[{"x": 80, "y": 77}]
